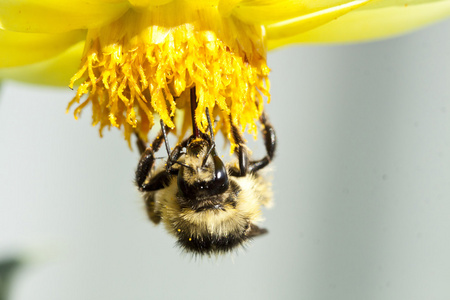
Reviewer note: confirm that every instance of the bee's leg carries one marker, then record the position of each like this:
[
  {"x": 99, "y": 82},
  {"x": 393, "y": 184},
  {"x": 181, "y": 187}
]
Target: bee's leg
[
  {"x": 241, "y": 152},
  {"x": 145, "y": 166},
  {"x": 157, "y": 182},
  {"x": 140, "y": 144},
  {"x": 150, "y": 206},
  {"x": 270, "y": 141},
  {"x": 155, "y": 145},
  {"x": 147, "y": 162}
]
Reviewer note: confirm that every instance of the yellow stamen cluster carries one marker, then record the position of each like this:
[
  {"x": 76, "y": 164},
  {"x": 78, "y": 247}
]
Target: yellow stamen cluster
[{"x": 135, "y": 68}]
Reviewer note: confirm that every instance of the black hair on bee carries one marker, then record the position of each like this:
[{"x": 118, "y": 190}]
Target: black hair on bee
[{"x": 209, "y": 206}]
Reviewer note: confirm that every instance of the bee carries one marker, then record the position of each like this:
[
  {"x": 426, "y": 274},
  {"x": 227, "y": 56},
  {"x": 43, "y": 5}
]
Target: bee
[{"x": 209, "y": 206}]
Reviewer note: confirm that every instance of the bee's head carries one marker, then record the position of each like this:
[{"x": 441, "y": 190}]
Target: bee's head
[{"x": 203, "y": 175}]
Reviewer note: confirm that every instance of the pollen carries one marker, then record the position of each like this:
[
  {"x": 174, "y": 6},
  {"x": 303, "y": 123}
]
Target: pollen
[{"x": 143, "y": 66}]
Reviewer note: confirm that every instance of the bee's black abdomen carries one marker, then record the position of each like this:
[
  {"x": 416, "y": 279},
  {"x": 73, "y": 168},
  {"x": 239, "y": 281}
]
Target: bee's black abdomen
[{"x": 211, "y": 244}]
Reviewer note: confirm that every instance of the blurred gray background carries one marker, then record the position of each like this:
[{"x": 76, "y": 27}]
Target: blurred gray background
[{"x": 361, "y": 181}]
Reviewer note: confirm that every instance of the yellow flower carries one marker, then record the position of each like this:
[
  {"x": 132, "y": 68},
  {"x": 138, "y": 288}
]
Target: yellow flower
[{"x": 142, "y": 57}]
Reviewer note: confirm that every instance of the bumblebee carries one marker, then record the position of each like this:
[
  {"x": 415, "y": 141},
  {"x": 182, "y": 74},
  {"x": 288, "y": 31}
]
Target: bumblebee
[{"x": 209, "y": 206}]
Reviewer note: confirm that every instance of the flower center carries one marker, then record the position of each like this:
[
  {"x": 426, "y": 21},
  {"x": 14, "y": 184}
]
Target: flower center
[{"x": 146, "y": 62}]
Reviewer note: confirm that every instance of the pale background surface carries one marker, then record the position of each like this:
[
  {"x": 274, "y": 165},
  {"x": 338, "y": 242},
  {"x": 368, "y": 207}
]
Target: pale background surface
[{"x": 362, "y": 188}]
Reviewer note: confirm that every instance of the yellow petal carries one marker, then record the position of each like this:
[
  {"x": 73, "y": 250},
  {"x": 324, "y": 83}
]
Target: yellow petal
[
  {"x": 380, "y": 19},
  {"x": 53, "y": 16},
  {"x": 211, "y": 3},
  {"x": 309, "y": 21},
  {"x": 17, "y": 48},
  {"x": 56, "y": 71},
  {"x": 270, "y": 11},
  {"x": 146, "y": 3}
]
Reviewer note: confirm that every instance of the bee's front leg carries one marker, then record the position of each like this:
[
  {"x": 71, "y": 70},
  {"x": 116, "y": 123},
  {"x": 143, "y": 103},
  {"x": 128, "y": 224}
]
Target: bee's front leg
[{"x": 146, "y": 165}]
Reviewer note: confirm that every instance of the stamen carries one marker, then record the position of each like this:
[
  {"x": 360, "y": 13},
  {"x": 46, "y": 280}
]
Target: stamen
[{"x": 132, "y": 71}]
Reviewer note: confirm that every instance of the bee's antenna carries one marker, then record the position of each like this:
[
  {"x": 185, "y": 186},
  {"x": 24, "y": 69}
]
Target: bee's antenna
[
  {"x": 166, "y": 142},
  {"x": 211, "y": 133}
]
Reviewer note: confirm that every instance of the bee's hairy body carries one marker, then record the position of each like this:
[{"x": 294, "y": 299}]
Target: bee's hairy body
[
  {"x": 209, "y": 206},
  {"x": 216, "y": 224}
]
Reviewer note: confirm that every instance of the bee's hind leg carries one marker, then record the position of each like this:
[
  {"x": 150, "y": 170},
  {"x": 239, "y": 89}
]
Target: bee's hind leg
[
  {"x": 241, "y": 152},
  {"x": 270, "y": 142}
]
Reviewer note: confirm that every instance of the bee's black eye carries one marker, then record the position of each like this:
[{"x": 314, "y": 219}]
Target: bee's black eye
[
  {"x": 220, "y": 182},
  {"x": 217, "y": 185}
]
